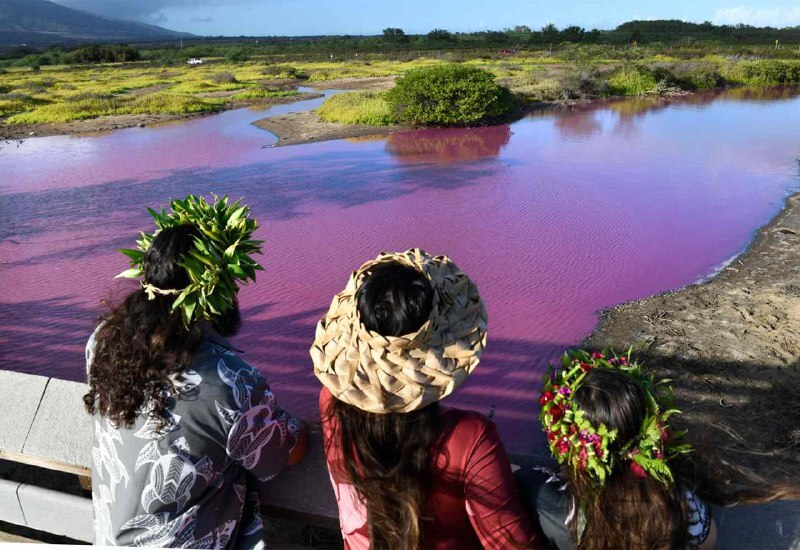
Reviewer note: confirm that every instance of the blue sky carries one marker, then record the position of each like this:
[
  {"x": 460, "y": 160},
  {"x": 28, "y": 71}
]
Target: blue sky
[{"x": 304, "y": 17}]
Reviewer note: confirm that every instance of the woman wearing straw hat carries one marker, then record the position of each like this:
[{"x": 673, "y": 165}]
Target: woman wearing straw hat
[{"x": 407, "y": 472}]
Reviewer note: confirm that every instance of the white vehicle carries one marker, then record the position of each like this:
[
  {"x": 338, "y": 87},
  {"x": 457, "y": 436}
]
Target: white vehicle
[{"x": 195, "y": 61}]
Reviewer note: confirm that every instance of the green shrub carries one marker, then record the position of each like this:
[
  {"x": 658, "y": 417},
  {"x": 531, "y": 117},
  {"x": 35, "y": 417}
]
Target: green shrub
[
  {"x": 697, "y": 76},
  {"x": 17, "y": 103},
  {"x": 449, "y": 95},
  {"x": 366, "y": 107},
  {"x": 564, "y": 86},
  {"x": 262, "y": 92},
  {"x": 171, "y": 104},
  {"x": 632, "y": 81},
  {"x": 223, "y": 78},
  {"x": 68, "y": 111},
  {"x": 764, "y": 73},
  {"x": 283, "y": 71}
]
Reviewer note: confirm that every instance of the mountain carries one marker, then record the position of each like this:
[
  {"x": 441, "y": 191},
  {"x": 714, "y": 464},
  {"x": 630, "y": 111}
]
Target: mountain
[{"x": 35, "y": 22}]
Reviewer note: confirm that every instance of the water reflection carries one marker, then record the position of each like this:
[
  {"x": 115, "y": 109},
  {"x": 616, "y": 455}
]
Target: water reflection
[
  {"x": 445, "y": 145},
  {"x": 581, "y": 122},
  {"x": 578, "y": 124}
]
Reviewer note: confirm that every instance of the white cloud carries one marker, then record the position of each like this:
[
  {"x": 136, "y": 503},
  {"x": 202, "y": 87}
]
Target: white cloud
[{"x": 764, "y": 17}]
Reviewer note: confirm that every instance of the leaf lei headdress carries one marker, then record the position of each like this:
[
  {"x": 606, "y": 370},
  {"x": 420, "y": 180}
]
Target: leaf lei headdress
[
  {"x": 575, "y": 441},
  {"x": 221, "y": 255}
]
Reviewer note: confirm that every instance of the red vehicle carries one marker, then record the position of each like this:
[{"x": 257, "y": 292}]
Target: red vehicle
[{"x": 508, "y": 52}]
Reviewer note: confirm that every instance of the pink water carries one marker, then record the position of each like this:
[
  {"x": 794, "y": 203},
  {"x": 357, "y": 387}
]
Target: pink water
[{"x": 555, "y": 217}]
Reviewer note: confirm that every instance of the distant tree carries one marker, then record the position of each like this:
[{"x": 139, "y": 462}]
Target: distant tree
[
  {"x": 393, "y": 34},
  {"x": 572, "y": 34},
  {"x": 636, "y": 37},
  {"x": 237, "y": 55},
  {"x": 550, "y": 33},
  {"x": 440, "y": 35},
  {"x": 105, "y": 54},
  {"x": 495, "y": 37},
  {"x": 35, "y": 63},
  {"x": 522, "y": 29}
]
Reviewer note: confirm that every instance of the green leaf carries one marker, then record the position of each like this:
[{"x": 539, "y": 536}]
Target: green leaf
[
  {"x": 237, "y": 270},
  {"x": 133, "y": 254},
  {"x": 131, "y": 273}
]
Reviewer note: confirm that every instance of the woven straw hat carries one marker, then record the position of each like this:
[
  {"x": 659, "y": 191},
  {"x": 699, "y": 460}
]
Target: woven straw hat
[{"x": 383, "y": 374}]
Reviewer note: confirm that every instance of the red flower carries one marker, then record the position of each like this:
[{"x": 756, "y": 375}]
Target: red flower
[
  {"x": 597, "y": 355},
  {"x": 546, "y": 397},
  {"x": 556, "y": 413},
  {"x": 638, "y": 471},
  {"x": 585, "y": 367},
  {"x": 552, "y": 436}
]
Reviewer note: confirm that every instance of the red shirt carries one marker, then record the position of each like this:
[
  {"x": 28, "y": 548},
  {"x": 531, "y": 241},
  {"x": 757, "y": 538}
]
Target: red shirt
[{"x": 472, "y": 498}]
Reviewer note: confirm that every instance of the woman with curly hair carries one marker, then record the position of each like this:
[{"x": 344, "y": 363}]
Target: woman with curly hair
[
  {"x": 407, "y": 472},
  {"x": 185, "y": 431}
]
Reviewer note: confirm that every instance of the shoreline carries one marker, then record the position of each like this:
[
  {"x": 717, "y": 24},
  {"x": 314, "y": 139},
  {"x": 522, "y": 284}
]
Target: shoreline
[
  {"x": 108, "y": 123},
  {"x": 731, "y": 343}
]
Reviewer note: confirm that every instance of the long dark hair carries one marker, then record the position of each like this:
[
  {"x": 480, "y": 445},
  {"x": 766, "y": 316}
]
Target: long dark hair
[
  {"x": 386, "y": 456},
  {"x": 141, "y": 341},
  {"x": 629, "y": 511},
  {"x": 642, "y": 513}
]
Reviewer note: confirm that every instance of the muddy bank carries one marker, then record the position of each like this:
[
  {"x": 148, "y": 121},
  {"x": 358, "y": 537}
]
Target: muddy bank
[
  {"x": 732, "y": 345},
  {"x": 307, "y": 127},
  {"x": 116, "y": 122}
]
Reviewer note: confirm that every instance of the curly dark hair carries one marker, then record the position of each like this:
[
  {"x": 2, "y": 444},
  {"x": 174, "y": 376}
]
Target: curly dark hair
[{"x": 141, "y": 341}]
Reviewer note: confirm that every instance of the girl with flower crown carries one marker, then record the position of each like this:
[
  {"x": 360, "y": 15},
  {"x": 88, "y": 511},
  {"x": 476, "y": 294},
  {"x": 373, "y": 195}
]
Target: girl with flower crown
[{"x": 623, "y": 483}]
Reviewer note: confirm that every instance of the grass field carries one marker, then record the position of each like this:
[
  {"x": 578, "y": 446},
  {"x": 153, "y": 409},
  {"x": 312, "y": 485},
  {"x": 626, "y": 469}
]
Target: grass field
[{"x": 65, "y": 93}]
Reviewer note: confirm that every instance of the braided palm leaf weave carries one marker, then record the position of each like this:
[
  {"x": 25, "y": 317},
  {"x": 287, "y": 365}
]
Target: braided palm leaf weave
[{"x": 383, "y": 374}]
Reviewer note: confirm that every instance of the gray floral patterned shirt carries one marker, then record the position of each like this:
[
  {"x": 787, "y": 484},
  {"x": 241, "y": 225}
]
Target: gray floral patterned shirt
[{"x": 195, "y": 484}]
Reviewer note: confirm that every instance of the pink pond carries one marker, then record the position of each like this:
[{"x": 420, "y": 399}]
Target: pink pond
[{"x": 555, "y": 217}]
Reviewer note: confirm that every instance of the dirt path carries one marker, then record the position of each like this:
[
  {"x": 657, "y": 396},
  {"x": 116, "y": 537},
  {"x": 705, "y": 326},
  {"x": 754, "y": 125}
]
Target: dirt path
[
  {"x": 732, "y": 345},
  {"x": 115, "y": 122},
  {"x": 306, "y": 127}
]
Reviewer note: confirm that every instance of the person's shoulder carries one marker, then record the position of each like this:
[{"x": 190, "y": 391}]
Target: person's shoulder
[
  {"x": 466, "y": 421},
  {"x": 466, "y": 429},
  {"x": 219, "y": 365}
]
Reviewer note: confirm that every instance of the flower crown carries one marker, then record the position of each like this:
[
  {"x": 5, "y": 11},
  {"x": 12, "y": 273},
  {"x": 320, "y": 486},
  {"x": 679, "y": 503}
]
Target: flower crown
[
  {"x": 220, "y": 256},
  {"x": 574, "y": 440}
]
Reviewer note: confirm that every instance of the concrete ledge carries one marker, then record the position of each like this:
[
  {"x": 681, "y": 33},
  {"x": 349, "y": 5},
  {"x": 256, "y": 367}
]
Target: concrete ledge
[
  {"x": 25, "y": 391},
  {"x": 10, "y": 510},
  {"x": 61, "y": 430},
  {"x": 56, "y": 512},
  {"x": 46, "y": 510}
]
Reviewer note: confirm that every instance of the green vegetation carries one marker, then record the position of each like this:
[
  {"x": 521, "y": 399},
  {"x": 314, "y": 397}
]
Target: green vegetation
[
  {"x": 262, "y": 92},
  {"x": 64, "y": 94},
  {"x": 57, "y": 93},
  {"x": 632, "y": 81},
  {"x": 358, "y": 108},
  {"x": 84, "y": 106},
  {"x": 449, "y": 95}
]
